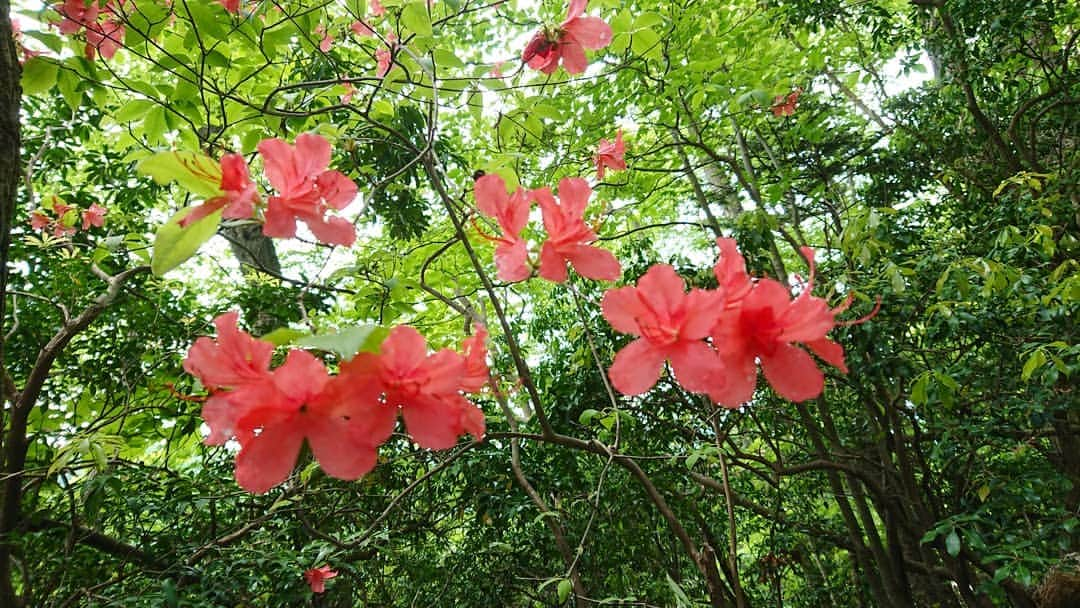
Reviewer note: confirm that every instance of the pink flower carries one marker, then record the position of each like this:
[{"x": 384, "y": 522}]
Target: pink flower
[
  {"x": 327, "y": 41},
  {"x": 316, "y": 578},
  {"x": 496, "y": 69},
  {"x": 474, "y": 349},
  {"x": 511, "y": 211},
  {"x": 764, "y": 326},
  {"x": 306, "y": 190},
  {"x": 362, "y": 29},
  {"x": 39, "y": 221},
  {"x": 61, "y": 231},
  {"x": 350, "y": 92},
  {"x": 238, "y": 193},
  {"x": 272, "y": 413},
  {"x": 384, "y": 57},
  {"x": 376, "y": 8},
  {"x": 567, "y": 42},
  {"x": 94, "y": 216},
  {"x": 232, "y": 6},
  {"x": 569, "y": 238},
  {"x": 784, "y": 105},
  {"x": 610, "y": 155},
  {"x": 76, "y": 15},
  {"x": 426, "y": 388},
  {"x": 107, "y": 36},
  {"x": 672, "y": 326},
  {"x": 16, "y": 32},
  {"x": 60, "y": 208}
]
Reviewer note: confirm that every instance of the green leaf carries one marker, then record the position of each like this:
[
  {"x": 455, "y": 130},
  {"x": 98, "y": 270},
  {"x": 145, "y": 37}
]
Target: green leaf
[
  {"x": 1036, "y": 360},
  {"x": 38, "y": 75},
  {"x": 952, "y": 543},
  {"x": 564, "y": 590},
  {"x": 283, "y": 335},
  {"x": 348, "y": 342},
  {"x": 133, "y": 110},
  {"x": 647, "y": 20},
  {"x": 198, "y": 173},
  {"x": 173, "y": 245},
  {"x": 587, "y": 416},
  {"x": 415, "y": 17}
]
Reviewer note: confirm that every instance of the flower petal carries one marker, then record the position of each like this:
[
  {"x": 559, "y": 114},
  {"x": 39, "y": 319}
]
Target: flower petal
[
  {"x": 280, "y": 221},
  {"x": 829, "y": 351},
  {"x": 573, "y": 56},
  {"x": 403, "y": 350},
  {"x": 792, "y": 373},
  {"x": 552, "y": 264},
  {"x": 312, "y": 154},
  {"x": 694, "y": 365},
  {"x": 594, "y": 263},
  {"x": 267, "y": 459},
  {"x": 576, "y": 8},
  {"x": 490, "y": 193},
  {"x": 734, "y": 380},
  {"x": 703, "y": 309},
  {"x": 636, "y": 368},
  {"x": 574, "y": 194},
  {"x": 435, "y": 423},
  {"x": 663, "y": 290},
  {"x": 442, "y": 372},
  {"x": 331, "y": 230},
  {"x": 336, "y": 189},
  {"x": 341, "y": 451},
  {"x": 622, "y": 307},
  {"x": 512, "y": 260},
  {"x": 590, "y": 32}
]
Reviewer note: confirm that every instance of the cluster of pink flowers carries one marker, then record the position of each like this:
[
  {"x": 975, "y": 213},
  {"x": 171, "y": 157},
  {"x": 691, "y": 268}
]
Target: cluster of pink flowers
[
  {"x": 103, "y": 23},
  {"x": 344, "y": 418},
  {"x": 569, "y": 238},
  {"x": 306, "y": 191},
  {"x": 715, "y": 338},
  {"x": 62, "y": 219}
]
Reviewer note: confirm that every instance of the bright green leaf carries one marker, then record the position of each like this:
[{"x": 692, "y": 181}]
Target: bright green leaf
[
  {"x": 173, "y": 245},
  {"x": 197, "y": 173}
]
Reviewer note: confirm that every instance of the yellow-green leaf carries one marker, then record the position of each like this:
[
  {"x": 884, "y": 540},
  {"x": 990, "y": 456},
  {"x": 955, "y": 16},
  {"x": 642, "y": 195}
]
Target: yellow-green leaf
[{"x": 173, "y": 245}]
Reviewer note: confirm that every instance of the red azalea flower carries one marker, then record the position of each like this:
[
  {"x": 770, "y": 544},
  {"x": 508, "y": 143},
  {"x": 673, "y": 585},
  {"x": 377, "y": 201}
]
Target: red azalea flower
[
  {"x": 350, "y": 91},
  {"x": 316, "y": 578},
  {"x": 567, "y": 42},
  {"x": 672, "y": 326},
  {"x": 383, "y": 57},
  {"x": 610, "y": 155},
  {"x": 784, "y": 105},
  {"x": 327, "y": 41},
  {"x": 425, "y": 387},
  {"x": 306, "y": 190},
  {"x": 569, "y": 237},
  {"x": 76, "y": 15},
  {"x": 238, "y": 193},
  {"x": 39, "y": 221},
  {"x": 271, "y": 413},
  {"x": 764, "y": 326},
  {"x": 362, "y": 29},
  {"x": 474, "y": 349},
  {"x": 94, "y": 215},
  {"x": 511, "y": 211},
  {"x": 106, "y": 36}
]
